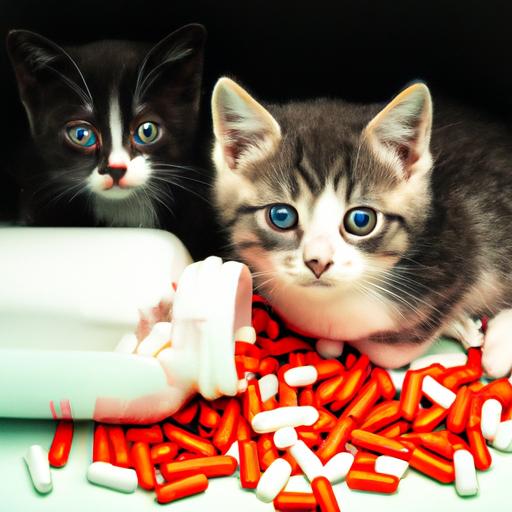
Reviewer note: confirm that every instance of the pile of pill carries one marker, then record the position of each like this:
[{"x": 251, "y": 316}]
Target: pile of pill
[{"x": 306, "y": 409}]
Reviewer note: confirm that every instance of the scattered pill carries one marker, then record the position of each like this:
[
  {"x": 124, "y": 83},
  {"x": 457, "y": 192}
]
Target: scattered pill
[
  {"x": 285, "y": 437},
  {"x": 61, "y": 444},
  {"x": 246, "y": 333},
  {"x": 307, "y": 460},
  {"x": 270, "y": 421},
  {"x": 337, "y": 467},
  {"x": 301, "y": 376},
  {"x": 503, "y": 439},
  {"x": 38, "y": 466},
  {"x": 491, "y": 417},
  {"x": 438, "y": 393},
  {"x": 268, "y": 384},
  {"x": 113, "y": 477},
  {"x": 324, "y": 495},
  {"x": 273, "y": 480},
  {"x": 466, "y": 482},
  {"x": 391, "y": 466},
  {"x": 181, "y": 488}
]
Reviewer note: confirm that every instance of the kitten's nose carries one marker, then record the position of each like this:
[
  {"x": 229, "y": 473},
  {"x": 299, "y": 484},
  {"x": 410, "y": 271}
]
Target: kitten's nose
[
  {"x": 318, "y": 266},
  {"x": 116, "y": 172}
]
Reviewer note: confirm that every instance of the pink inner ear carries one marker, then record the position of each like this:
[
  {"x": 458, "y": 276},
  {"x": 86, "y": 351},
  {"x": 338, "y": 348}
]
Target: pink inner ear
[{"x": 234, "y": 145}]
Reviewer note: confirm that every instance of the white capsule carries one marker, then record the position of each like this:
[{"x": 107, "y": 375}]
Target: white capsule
[
  {"x": 307, "y": 460},
  {"x": 491, "y": 418},
  {"x": 242, "y": 385},
  {"x": 113, "y": 477},
  {"x": 269, "y": 385},
  {"x": 246, "y": 333},
  {"x": 336, "y": 469},
  {"x": 293, "y": 416},
  {"x": 285, "y": 437},
  {"x": 503, "y": 439},
  {"x": 391, "y": 466},
  {"x": 234, "y": 452},
  {"x": 397, "y": 377},
  {"x": 127, "y": 344},
  {"x": 329, "y": 349},
  {"x": 466, "y": 482},
  {"x": 438, "y": 393},
  {"x": 36, "y": 459},
  {"x": 301, "y": 376},
  {"x": 273, "y": 480},
  {"x": 158, "y": 339}
]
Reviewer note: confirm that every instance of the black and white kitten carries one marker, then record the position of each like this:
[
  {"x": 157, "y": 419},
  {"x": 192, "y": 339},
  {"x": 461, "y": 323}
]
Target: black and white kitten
[
  {"x": 368, "y": 223},
  {"x": 114, "y": 129}
]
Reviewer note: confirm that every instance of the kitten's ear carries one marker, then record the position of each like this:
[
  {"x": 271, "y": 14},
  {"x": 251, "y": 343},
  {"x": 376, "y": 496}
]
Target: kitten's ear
[
  {"x": 244, "y": 131},
  {"x": 174, "y": 66},
  {"x": 39, "y": 64},
  {"x": 401, "y": 131}
]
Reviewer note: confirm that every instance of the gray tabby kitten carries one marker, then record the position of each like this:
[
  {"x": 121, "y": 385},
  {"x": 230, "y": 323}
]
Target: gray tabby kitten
[{"x": 369, "y": 224}]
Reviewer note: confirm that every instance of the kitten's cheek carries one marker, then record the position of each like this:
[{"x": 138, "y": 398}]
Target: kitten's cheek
[
  {"x": 137, "y": 173},
  {"x": 390, "y": 356}
]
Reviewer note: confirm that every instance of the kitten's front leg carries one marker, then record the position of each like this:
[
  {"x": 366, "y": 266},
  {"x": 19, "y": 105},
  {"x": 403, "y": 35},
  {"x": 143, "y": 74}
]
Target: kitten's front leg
[
  {"x": 465, "y": 330},
  {"x": 497, "y": 349}
]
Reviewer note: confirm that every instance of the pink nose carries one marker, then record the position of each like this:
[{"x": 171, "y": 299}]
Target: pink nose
[{"x": 318, "y": 267}]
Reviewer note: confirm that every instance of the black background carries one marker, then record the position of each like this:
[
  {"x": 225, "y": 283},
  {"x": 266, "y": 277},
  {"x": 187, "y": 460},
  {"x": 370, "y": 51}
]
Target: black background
[{"x": 358, "y": 50}]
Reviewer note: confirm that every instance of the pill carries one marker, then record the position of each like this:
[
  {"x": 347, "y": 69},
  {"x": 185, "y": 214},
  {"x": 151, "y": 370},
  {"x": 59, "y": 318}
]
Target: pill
[
  {"x": 380, "y": 444},
  {"x": 490, "y": 418},
  {"x": 372, "y": 482},
  {"x": 189, "y": 441},
  {"x": 150, "y": 435},
  {"x": 298, "y": 483},
  {"x": 38, "y": 466},
  {"x": 163, "y": 452},
  {"x": 337, "y": 467},
  {"x": 233, "y": 452},
  {"x": 246, "y": 333},
  {"x": 503, "y": 439},
  {"x": 119, "y": 453},
  {"x": 285, "y": 437},
  {"x": 459, "y": 412},
  {"x": 211, "y": 467},
  {"x": 438, "y": 393},
  {"x": 249, "y": 464},
  {"x": 328, "y": 368},
  {"x": 386, "y": 386},
  {"x": 101, "y": 449},
  {"x": 391, "y": 466},
  {"x": 466, "y": 482},
  {"x": 270, "y": 421},
  {"x": 336, "y": 439},
  {"x": 324, "y": 495},
  {"x": 113, "y": 477},
  {"x": 478, "y": 447},
  {"x": 141, "y": 457},
  {"x": 181, "y": 488},
  {"x": 329, "y": 349},
  {"x": 295, "y": 501},
  {"x": 268, "y": 384},
  {"x": 227, "y": 428},
  {"x": 301, "y": 376},
  {"x": 158, "y": 339},
  {"x": 61, "y": 444},
  {"x": 432, "y": 465},
  {"x": 448, "y": 360},
  {"x": 307, "y": 460},
  {"x": 273, "y": 480},
  {"x": 127, "y": 344}
]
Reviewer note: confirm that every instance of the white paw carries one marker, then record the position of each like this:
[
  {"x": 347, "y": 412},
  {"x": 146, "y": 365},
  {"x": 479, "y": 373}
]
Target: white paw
[
  {"x": 466, "y": 330},
  {"x": 497, "y": 349}
]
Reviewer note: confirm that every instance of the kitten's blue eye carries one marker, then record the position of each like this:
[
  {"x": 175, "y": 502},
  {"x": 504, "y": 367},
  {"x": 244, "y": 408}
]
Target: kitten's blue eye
[
  {"x": 360, "y": 221},
  {"x": 146, "y": 133},
  {"x": 82, "y": 135},
  {"x": 283, "y": 216}
]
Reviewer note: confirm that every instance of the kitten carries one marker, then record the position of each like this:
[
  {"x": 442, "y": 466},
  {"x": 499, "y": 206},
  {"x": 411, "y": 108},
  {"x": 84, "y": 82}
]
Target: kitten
[
  {"x": 114, "y": 129},
  {"x": 366, "y": 223}
]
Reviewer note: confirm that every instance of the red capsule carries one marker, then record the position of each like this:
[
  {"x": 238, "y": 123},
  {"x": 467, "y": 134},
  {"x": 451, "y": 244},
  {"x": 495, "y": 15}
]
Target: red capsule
[
  {"x": 307, "y": 397},
  {"x": 208, "y": 417},
  {"x": 141, "y": 457},
  {"x": 478, "y": 448},
  {"x": 100, "y": 449},
  {"x": 327, "y": 368},
  {"x": 364, "y": 461},
  {"x": 251, "y": 400},
  {"x": 372, "y": 482},
  {"x": 267, "y": 452},
  {"x": 148, "y": 435},
  {"x": 283, "y": 346},
  {"x": 295, "y": 502},
  {"x": 327, "y": 389},
  {"x": 225, "y": 434},
  {"x": 500, "y": 389},
  {"x": 268, "y": 365},
  {"x": 382, "y": 415},
  {"x": 428, "y": 419},
  {"x": 432, "y": 465},
  {"x": 395, "y": 429},
  {"x": 211, "y": 467},
  {"x": 324, "y": 495},
  {"x": 386, "y": 386},
  {"x": 336, "y": 439},
  {"x": 364, "y": 401},
  {"x": 187, "y": 414},
  {"x": 61, "y": 444},
  {"x": 249, "y": 464},
  {"x": 380, "y": 444},
  {"x": 243, "y": 430},
  {"x": 354, "y": 379},
  {"x": 119, "y": 453},
  {"x": 326, "y": 421},
  {"x": 181, "y": 488},
  {"x": 287, "y": 395},
  {"x": 259, "y": 320},
  {"x": 411, "y": 395},
  {"x": 459, "y": 411},
  {"x": 273, "y": 329},
  {"x": 163, "y": 452},
  {"x": 188, "y": 441}
]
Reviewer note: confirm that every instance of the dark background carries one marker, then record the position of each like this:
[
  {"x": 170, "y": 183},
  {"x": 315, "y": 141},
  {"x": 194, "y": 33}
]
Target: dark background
[{"x": 358, "y": 50}]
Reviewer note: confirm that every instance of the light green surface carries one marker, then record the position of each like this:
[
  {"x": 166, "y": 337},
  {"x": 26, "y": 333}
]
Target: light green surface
[{"x": 72, "y": 492}]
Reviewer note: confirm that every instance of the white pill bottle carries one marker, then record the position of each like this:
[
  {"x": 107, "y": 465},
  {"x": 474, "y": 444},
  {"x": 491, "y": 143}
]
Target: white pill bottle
[{"x": 66, "y": 295}]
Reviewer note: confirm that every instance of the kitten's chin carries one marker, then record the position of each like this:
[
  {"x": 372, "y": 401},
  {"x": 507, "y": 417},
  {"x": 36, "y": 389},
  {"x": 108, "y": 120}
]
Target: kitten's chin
[
  {"x": 116, "y": 193},
  {"x": 333, "y": 312}
]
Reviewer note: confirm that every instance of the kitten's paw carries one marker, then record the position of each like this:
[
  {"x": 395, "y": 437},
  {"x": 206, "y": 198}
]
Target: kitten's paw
[
  {"x": 464, "y": 329},
  {"x": 497, "y": 349}
]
